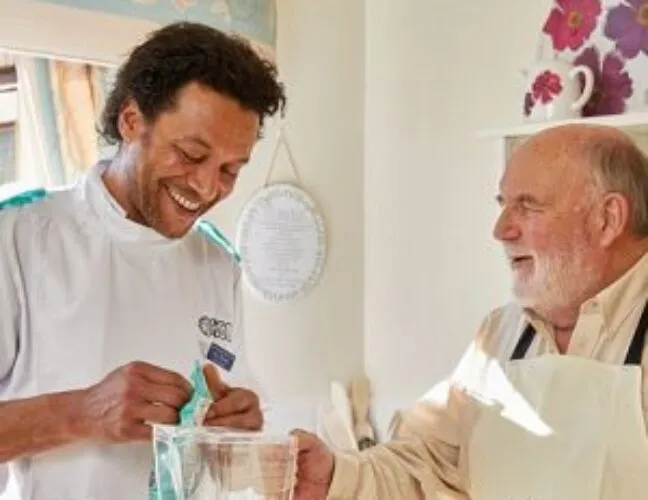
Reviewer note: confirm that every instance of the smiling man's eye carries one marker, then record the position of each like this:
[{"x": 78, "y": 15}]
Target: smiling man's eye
[{"x": 189, "y": 158}]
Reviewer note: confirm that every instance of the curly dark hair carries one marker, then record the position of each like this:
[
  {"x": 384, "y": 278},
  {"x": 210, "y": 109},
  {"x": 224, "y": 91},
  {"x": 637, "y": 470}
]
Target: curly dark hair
[{"x": 186, "y": 52}]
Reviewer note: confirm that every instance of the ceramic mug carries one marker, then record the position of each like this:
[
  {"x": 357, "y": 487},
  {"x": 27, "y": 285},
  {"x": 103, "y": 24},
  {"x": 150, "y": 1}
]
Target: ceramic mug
[{"x": 554, "y": 92}]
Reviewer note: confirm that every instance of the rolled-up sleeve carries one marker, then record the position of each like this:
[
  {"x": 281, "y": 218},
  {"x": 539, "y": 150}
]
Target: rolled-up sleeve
[
  {"x": 426, "y": 459},
  {"x": 414, "y": 465}
]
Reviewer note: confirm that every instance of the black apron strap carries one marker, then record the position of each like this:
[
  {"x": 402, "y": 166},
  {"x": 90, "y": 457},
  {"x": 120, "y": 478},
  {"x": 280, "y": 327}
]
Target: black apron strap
[
  {"x": 636, "y": 348},
  {"x": 635, "y": 351},
  {"x": 523, "y": 344}
]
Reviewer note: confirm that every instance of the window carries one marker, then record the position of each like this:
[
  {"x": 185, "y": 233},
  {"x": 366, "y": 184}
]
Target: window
[
  {"x": 48, "y": 114},
  {"x": 8, "y": 120},
  {"x": 7, "y": 153}
]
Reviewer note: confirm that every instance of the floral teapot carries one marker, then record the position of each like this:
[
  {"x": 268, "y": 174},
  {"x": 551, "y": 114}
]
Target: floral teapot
[{"x": 553, "y": 90}]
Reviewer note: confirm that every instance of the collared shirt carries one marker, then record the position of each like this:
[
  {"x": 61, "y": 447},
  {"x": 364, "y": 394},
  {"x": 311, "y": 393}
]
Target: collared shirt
[
  {"x": 428, "y": 456},
  {"x": 83, "y": 291}
]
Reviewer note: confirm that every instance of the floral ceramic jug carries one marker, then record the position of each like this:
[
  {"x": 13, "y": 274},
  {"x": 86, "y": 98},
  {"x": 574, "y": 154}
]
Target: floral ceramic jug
[
  {"x": 608, "y": 36},
  {"x": 554, "y": 92}
]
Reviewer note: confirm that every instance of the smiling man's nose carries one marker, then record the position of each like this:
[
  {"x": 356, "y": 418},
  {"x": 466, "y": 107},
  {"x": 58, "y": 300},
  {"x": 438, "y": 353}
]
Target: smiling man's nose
[{"x": 206, "y": 182}]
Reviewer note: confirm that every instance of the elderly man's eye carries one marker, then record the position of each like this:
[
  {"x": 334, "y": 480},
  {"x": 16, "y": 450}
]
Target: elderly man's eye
[{"x": 528, "y": 207}]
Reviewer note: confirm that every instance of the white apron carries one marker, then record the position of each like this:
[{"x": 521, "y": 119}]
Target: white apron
[{"x": 578, "y": 431}]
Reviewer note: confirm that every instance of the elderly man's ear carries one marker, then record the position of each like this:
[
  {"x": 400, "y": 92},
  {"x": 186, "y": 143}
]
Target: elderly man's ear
[{"x": 614, "y": 218}]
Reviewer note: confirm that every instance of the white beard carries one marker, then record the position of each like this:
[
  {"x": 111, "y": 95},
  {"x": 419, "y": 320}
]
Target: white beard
[{"x": 558, "y": 280}]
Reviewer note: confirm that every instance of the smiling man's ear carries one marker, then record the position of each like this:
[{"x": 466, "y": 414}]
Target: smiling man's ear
[{"x": 130, "y": 122}]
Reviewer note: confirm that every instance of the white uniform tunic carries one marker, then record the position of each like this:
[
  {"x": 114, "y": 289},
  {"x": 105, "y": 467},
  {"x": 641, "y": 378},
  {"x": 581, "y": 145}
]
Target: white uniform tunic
[{"x": 83, "y": 290}]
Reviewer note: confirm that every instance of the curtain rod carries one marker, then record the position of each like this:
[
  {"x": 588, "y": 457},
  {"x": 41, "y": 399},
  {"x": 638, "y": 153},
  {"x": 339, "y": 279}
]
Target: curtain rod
[{"x": 53, "y": 55}]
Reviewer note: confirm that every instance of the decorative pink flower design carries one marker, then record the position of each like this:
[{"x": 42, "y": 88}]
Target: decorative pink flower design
[
  {"x": 546, "y": 86},
  {"x": 572, "y": 22},
  {"x": 612, "y": 85},
  {"x": 627, "y": 25}
]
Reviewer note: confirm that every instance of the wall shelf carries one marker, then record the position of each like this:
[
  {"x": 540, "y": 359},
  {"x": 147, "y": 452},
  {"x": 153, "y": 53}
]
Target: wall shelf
[
  {"x": 631, "y": 122},
  {"x": 635, "y": 124}
]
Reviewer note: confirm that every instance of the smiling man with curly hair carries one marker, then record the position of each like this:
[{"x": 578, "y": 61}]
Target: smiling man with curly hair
[{"x": 111, "y": 288}]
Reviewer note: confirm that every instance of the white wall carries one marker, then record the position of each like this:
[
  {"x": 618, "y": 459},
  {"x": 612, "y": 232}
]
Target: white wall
[
  {"x": 437, "y": 71},
  {"x": 298, "y": 348}
]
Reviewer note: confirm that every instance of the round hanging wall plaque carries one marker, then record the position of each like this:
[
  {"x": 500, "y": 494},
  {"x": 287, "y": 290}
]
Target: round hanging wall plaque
[{"x": 281, "y": 239}]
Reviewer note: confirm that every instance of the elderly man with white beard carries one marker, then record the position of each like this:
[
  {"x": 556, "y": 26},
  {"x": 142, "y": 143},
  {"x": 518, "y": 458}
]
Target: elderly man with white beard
[{"x": 550, "y": 400}]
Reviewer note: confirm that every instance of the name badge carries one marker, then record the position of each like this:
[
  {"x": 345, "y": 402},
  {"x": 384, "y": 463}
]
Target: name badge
[{"x": 221, "y": 356}]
